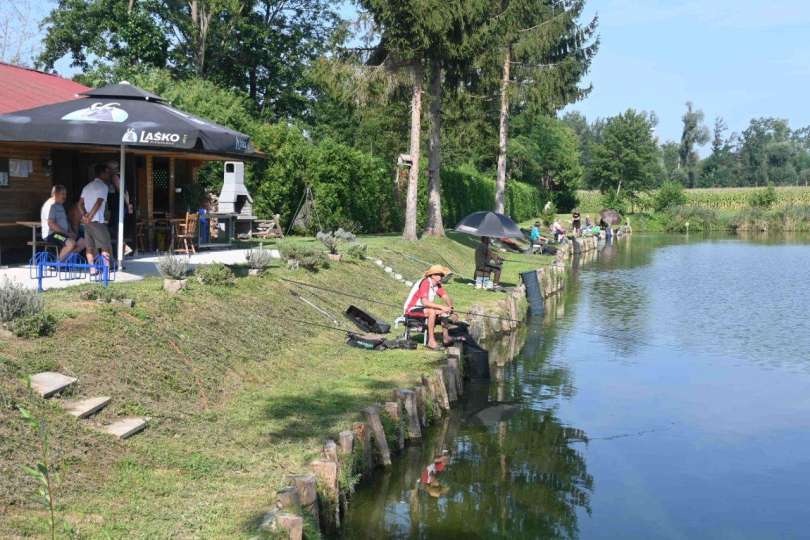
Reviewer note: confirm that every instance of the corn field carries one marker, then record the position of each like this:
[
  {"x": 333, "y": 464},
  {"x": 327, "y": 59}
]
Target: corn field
[{"x": 714, "y": 198}]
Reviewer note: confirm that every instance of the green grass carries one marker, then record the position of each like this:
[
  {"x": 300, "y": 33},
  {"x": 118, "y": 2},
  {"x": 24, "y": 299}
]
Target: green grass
[{"x": 239, "y": 394}]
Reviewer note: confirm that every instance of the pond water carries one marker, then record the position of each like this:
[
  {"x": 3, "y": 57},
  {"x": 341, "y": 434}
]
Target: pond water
[{"x": 665, "y": 394}]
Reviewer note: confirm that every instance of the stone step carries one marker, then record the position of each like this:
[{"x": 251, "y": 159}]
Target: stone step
[
  {"x": 82, "y": 408},
  {"x": 126, "y": 427},
  {"x": 48, "y": 383}
]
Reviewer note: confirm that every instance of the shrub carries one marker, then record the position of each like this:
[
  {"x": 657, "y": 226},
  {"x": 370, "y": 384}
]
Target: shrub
[
  {"x": 699, "y": 219},
  {"x": 259, "y": 259},
  {"x": 357, "y": 251},
  {"x": 764, "y": 198},
  {"x": 173, "y": 267},
  {"x": 306, "y": 257},
  {"x": 620, "y": 204},
  {"x": 669, "y": 195},
  {"x": 216, "y": 274},
  {"x": 333, "y": 239},
  {"x": 17, "y": 302},
  {"x": 549, "y": 213},
  {"x": 102, "y": 295},
  {"x": 31, "y": 326}
]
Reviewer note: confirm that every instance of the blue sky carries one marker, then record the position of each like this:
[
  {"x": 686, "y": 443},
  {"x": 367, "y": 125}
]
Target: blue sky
[{"x": 733, "y": 58}]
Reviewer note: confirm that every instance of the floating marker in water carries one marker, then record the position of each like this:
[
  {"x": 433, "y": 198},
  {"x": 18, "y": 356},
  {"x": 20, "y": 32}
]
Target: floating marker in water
[
  {"x": 378, "y": 262},
  {"x": 388, "y": 269},
  {"x": 398, "y": 277},
  {"x": 409, "y": 283}
]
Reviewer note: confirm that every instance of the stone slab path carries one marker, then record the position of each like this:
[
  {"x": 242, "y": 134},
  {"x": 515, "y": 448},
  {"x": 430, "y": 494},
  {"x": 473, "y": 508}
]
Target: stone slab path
[
  {"x": 82, "y": 408},
  {"x": 49, "y": 383},
  {"x": 126, "y": 427}
]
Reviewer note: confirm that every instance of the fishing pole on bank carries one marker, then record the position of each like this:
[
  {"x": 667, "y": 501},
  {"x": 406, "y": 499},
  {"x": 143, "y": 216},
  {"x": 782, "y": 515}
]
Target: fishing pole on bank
[{"x": 378, "y": 302}]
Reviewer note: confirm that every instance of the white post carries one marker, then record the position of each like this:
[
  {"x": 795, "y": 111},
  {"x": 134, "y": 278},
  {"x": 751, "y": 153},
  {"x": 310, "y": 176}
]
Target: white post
[{"x": 122, "y": 186}]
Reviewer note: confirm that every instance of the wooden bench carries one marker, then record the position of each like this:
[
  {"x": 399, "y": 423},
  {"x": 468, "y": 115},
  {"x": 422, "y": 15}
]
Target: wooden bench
[
  {"x": 42, "y": 245},
  {"x": 269, "y": 228}
]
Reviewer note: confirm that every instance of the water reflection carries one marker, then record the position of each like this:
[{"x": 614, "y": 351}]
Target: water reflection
[{"x": 501, "y": 465}]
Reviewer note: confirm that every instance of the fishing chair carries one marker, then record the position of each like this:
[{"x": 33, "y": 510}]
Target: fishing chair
[{"x": 413, "y": 325}]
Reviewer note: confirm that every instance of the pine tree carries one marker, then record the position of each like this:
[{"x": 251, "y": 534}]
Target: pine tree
[{"x": 541, "y": 52}]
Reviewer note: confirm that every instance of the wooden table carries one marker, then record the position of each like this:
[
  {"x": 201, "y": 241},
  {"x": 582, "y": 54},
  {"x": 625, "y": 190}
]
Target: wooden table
[{"x": 34, "y": 225}]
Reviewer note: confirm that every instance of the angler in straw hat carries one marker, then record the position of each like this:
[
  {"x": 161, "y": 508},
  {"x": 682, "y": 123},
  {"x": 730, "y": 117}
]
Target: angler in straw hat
[{"x": 421, "y": 303}]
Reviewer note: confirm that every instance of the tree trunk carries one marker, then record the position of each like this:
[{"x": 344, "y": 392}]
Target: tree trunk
[
  {"x": 503, "y": 126},
  {"x": 413, "y": 177},
  {"x": 435, "y": 226}
]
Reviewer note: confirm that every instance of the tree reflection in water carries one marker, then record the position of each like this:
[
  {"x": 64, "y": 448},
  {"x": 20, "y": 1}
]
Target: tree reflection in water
[{"x": 513, "y": 470}]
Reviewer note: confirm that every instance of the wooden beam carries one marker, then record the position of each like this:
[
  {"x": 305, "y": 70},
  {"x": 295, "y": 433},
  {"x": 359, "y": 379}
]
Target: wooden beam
[
  {"x": 150, "y": 200},
  {"x": 172, "y": 185}
]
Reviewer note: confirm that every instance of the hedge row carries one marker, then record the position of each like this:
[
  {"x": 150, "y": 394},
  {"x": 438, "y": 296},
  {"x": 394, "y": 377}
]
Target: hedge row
[{"x": 356, "y": 191}]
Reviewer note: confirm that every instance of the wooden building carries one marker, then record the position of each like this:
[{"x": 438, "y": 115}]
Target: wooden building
[{"x": 159, "y": 179}]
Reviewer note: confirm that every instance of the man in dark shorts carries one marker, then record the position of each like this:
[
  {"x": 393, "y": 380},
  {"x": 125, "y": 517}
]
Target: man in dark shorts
[
  {"x": 576, "y": 222},
  {"x": 487, "y": 261},
  {"x": 92, "y": 204},
  {"x": 55, "y": 226}
]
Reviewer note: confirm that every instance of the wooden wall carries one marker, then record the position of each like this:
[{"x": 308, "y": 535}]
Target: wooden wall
[{"x": 23, "y": 198}]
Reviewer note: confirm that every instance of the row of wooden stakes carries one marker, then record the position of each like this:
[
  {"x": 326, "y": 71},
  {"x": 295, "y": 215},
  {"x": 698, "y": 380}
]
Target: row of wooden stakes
[{"x": 323, "y": 492}]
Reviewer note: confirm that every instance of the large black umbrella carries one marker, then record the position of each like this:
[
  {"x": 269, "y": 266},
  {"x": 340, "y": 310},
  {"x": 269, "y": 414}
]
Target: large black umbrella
[
  {"x": 611, "y": 217},
  {"x": 489, "y": 224},
  {"x": 123, "y": 115}
]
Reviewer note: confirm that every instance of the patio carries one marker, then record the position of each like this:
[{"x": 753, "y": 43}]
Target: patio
[{"x": 136, "y": 268}]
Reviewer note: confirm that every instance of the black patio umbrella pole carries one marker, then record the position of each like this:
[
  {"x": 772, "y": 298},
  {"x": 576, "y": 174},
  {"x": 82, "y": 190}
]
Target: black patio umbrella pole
[{"x": 122, "y": 184}]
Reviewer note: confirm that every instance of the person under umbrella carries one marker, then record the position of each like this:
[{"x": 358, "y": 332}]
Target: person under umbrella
[{"x": 487, "y": 261}]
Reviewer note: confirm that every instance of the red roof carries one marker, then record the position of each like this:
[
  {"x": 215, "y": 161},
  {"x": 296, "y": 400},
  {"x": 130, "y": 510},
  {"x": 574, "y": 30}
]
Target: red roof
[{"x": 23, "y": 88}]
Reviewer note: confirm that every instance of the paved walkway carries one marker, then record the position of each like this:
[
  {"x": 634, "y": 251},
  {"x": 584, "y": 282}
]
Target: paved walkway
[{"x": 135, "y": 269}]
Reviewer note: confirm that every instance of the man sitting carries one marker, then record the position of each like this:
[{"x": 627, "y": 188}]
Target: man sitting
[
  {"x": 420, "y": 303},
  {"x": 55, "y": 226},
  {"x": 487, "y": 261}
]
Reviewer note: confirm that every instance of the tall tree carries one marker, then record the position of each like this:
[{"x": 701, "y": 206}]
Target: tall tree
[
  {"x": 541, "y": 51},
  {"x": 545, "y": 152},
  {"x": 416, "y": 34},
  {"x": 262, "y": 47},
  {"x": 695, "y": 133},
  {"x": 626, "y": 160}
]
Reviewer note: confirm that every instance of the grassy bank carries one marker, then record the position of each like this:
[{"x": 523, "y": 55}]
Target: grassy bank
[{"x": 239, "y": 394}]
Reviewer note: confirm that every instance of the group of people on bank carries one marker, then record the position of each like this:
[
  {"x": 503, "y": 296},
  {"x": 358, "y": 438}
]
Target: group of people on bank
[{"x": 90, "y": 224}]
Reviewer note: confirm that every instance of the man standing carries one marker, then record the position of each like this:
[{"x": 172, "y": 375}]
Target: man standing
[
  {"x": 92, "y": 204},
  {"x": 55, "y": 226},
  {"x": 421, "y": 303}
]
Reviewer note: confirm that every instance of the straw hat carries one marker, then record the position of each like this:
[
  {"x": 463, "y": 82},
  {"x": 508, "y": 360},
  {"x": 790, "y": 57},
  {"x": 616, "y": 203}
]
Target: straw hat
[{"x": 436, "y": 269}]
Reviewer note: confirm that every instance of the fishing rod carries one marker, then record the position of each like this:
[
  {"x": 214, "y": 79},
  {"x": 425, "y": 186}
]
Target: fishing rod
[
  {"x": 320, "y": 310},
  {"x": 378, "y": 302},
  {"x": 327, "y": 326},
  {"x": 416, "y": 259}
]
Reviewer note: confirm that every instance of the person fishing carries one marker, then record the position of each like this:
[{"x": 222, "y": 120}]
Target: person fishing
[
  {"x": 420, "y": 303},
  {"x": 487, "y": 261}
]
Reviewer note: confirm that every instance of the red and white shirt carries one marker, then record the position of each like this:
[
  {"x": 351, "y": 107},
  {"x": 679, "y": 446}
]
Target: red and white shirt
[{"x": 421, "y": 291}]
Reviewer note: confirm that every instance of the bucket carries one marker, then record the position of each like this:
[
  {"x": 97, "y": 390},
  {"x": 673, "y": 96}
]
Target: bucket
[
  {"x": 476, "y": 362},
  {"x": 533, "y": 294}
]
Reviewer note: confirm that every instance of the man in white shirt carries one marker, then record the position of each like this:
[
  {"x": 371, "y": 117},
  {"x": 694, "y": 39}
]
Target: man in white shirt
[
  {"x": 92, "y": 204},
  {"x": 55, "y": 226}
]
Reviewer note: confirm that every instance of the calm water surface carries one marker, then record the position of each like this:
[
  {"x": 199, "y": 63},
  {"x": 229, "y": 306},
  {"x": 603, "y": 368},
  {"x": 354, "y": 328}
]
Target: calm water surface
[{"x": 666, "y": 394}]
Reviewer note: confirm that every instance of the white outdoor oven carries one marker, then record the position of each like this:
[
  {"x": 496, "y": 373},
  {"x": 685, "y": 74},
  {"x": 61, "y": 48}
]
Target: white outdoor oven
[{"x": 235, "y": 199}]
